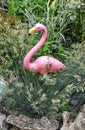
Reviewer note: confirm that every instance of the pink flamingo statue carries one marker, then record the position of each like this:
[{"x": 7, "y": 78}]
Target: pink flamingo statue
[{"x": 43, "y": 64}]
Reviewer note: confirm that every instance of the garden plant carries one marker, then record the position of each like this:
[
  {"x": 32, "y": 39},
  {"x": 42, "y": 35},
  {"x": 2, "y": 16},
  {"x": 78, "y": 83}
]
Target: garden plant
[{"x": 29, "y": 92}]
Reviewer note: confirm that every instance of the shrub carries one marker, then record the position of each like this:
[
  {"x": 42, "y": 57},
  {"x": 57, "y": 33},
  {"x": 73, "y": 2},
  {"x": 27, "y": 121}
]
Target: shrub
[
  {"x": 13, "y": 41},
  {"x": 52, "y": 16},
  {"x": 72, "y": 82},
  {"x": 76, "y": 14}
]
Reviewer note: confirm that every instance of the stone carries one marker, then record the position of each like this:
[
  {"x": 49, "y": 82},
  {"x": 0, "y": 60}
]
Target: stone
[
  {"x": 78, "y": 124},
  {"x": 2, "y": 120},
  {"x": 65, "y": 116},
  {"x": 25, "y": 123},
  {"x": 13, "y": 121},
  {"x": 74, "y": 102}
]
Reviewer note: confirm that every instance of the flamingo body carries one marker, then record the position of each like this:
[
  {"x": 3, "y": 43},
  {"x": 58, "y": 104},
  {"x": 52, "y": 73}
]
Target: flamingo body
[
  {"x": 46, "y": 64},
  {"x": 43, "y": 64}
]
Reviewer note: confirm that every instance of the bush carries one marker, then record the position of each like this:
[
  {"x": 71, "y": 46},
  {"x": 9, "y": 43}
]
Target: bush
[
  {"x": 52, "y": 16},
  {"x": 13, "y": 42},
  {"x": 64, "y": 21},
  {"x": 71, "y": 83},
  {"x": 76, "y": 14}
]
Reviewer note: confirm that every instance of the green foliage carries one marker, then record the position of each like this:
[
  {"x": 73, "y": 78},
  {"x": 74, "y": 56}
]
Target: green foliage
[
  {"x": 63, "y": 19},
  {"x": 16, "y": 7},
  {"x": 76, "y": 15},
  {"x": 13, "y": 44},
  {"x": 48, "y": 14},
  {"x": 72, "y": 81},
  {"x": 78, "y": 63},
  {"x": 32, "y": 93},
  {"x": 55, "y": 21}
]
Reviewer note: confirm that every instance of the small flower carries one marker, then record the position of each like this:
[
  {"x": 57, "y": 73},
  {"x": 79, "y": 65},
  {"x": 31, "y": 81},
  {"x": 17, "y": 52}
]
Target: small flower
[{"x": 70, "y": 1}]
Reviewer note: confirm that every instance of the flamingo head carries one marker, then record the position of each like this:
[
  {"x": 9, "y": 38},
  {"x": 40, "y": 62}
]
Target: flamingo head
[{"x": 37, "y": 27}]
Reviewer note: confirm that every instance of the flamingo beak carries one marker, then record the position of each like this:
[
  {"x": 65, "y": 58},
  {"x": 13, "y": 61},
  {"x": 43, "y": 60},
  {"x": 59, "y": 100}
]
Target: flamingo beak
[{"x": 31, "y": 31}]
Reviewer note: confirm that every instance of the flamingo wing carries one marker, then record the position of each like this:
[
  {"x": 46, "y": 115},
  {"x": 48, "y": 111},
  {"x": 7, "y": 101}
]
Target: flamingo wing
[{"x": 45, "y": 64}]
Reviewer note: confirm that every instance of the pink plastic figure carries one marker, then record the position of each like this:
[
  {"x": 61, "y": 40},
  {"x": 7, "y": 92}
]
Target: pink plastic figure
[{"x": 43, "y": 64}]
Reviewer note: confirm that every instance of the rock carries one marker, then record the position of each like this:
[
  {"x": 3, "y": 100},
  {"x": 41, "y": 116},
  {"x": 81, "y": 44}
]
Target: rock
[
  {"x": 66, "y": 116},
  {"x": 78, "y": 124},
  {"x": 74, "y": 102},
  {"x": 54, "y": 124},
  {"x": 2, "y": 122},
  {"x": 24, "y": 123},
  {"x": 3, "y": 88}
]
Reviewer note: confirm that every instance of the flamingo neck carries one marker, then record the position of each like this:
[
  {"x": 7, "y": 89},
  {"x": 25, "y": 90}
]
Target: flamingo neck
[{"x": 29, "y": 55}]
